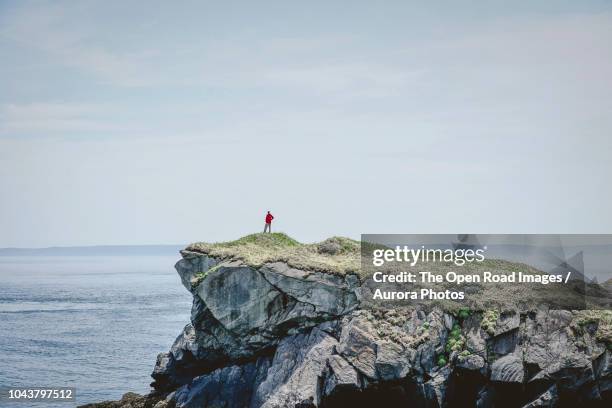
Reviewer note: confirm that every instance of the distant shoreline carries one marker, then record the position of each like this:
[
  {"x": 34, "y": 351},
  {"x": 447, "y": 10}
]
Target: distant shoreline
[{"x": 97, "y": 250}]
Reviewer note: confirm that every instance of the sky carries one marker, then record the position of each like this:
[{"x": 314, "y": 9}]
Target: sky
[{"x": 155, "y": 122}]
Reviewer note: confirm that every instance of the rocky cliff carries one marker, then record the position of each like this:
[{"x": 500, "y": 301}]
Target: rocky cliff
[{"x": 278, "y": 324}]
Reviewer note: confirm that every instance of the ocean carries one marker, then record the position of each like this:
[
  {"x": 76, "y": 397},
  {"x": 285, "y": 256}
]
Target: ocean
[{"x": 95, "y": 323}]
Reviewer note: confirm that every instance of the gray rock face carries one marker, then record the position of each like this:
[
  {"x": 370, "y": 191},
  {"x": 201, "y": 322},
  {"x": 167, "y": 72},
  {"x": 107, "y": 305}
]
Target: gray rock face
[
  {"x": 328, "y": 295},
  {"x": 190, "y": 265},
  {"x": 473, "y": 362},
  {"x": 276, "y": 336},
  {"x": 358, "y": 346},
  {"x": 435, "y": 389},
  {"x": 508, "y": 369},
  {"x": 340, "y": 375},
  {"x": 507, "y": 322},
  {"x": 240, "y": 299},
  {"x": 293, "y": 378},
  {"x": 240, "y": 312},
  {"x": 393, "y": 362},
  {"x": 230, "y": 387}
]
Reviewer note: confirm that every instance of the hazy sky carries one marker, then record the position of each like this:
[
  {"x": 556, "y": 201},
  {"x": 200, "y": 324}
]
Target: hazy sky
[{"x": 170, "y": 122}]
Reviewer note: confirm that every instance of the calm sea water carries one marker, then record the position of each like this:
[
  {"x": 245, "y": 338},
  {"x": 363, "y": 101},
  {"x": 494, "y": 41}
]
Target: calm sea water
[{"x": 95, "y": 323}]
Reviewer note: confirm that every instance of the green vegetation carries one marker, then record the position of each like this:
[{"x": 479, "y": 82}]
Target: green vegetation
[
  {"x": 441, "y": 360},
  {"x": 456, "y": 340},
  {"x": 200, "y": 276},
  {"x": 489, "y": 321},
  {"x": 274, "y": 240},
  {"x": 464, "y": 313},
  {"x": 337, "y": 255}
]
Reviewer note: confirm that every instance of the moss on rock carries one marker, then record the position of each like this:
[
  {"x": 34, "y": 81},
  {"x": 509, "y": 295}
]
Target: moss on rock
[{"x": 489, "y": 321}]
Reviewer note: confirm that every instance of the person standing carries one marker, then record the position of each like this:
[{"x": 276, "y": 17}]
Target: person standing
[{"x": 269, "y": 218}]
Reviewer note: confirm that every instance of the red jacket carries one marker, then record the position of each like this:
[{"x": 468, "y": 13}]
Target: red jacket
[{"x": 269, "y": 218}]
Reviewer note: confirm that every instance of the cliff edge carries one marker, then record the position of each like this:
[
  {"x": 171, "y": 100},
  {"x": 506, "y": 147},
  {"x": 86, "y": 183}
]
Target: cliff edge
[{"x": 277, "y": 323}]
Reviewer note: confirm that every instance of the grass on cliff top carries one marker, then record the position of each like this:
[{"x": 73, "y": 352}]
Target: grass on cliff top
[
  {"x": 337, "y": 255},
  {"x": 340, "y": 255}
]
